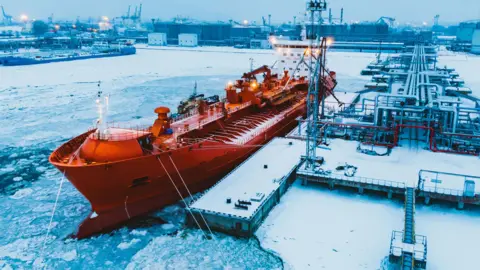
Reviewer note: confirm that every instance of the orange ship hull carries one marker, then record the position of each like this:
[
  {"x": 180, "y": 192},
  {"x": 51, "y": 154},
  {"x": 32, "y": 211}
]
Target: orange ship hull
[{"x": 119, "y": 191}]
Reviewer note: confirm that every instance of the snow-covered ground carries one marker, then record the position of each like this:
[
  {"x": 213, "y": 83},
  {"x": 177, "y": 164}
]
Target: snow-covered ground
[
  {"x": 43, "y": 105},
  {"x": 466, "y": 65},
  {"x": 314, "y": 228}
]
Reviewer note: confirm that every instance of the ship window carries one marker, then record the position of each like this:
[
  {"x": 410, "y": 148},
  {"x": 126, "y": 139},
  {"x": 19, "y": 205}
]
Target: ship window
[
  {"x": 285, "y": 54},
  {"x": 291, "y": 54},
  {"x": 283, "y": 61},
  {"x": 294, "y": 62},
  {"x": 298, "y": 54},
  {"x": 140, "y": 182}
]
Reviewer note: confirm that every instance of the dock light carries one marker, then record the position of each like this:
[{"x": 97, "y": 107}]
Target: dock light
[
  {"x": 23, "y": 18},
  {"x": 230, "y": 84},
  {"x": 245, "y": 22},
  {"x": 105, "y": 18},
  {"x": 57, "y": 27},
  {"x": 74, "y": 26},
  {"x": 307, "y": 52},
  {"x": 329, "y": 41},
  {"x": 253, "y": 85},
  {"x": 273, "y": 40}
]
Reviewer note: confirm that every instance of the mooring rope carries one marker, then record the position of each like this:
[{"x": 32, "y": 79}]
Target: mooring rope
[
  {"x": 183, "y": 199},
  {"x": 53, "y": 213},
  {"x": 191, "y": 196}
]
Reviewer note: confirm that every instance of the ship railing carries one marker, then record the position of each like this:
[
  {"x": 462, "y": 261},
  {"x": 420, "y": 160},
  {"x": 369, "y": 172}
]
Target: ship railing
[
  {"x": 123, "y": 132},
  {"x": 238, "y": 108},
  {"x": 180, "y": 117},
  {"x": 180, "y": 130}
]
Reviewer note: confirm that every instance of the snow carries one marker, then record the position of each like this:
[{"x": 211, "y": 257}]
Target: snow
[
  {"x": 252, "y": 178},
  {"x": 402, "y": 165},
  {"x": 313, "y": 228},
  {"x": 466, "y": 65},
  {"x": 21, "y": 193},
  {"x": 125, "y": 245}
]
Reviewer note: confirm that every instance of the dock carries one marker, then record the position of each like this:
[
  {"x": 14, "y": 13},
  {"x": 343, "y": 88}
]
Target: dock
[{"x": 240, "y": 202}]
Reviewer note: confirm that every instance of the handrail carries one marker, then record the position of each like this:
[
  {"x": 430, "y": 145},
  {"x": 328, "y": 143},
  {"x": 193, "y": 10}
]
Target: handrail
[{"x": 357, "y": 179}]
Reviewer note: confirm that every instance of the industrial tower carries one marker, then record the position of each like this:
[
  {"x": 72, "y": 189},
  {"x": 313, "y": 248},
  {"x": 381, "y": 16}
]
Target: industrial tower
[{"x": 316, "y": 88}]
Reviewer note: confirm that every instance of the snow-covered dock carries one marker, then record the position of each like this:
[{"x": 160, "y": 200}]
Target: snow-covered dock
[
  {"x": 240, "y": 201},
  {"x": 344, "y": 165}
]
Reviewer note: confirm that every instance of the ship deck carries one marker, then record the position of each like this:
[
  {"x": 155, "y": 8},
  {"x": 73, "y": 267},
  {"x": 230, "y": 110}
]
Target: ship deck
[{"x": 243, "y": 129}]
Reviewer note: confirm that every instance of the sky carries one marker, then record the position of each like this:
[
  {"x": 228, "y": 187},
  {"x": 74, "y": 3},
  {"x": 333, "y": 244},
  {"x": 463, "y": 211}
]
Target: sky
[{"x": 252, "y": 10}]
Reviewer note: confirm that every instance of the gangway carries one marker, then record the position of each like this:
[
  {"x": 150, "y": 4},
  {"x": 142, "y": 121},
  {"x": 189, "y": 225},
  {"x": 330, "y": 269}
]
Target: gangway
[{"x": 406, "y": 248}]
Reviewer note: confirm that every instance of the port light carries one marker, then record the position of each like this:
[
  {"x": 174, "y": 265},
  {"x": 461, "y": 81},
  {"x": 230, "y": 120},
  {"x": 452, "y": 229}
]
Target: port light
[{"x": 330, "y": 41}]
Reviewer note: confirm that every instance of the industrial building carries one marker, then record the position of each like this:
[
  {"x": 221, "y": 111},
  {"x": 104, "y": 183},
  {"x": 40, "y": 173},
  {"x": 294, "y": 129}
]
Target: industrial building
[
  {"x": 476, "y": 42},
  {"x": 157, "y": 39},
  {"x": 188, "y": 40},
  {"x": 207, "y": 33},
  {"x": 465, "y": 31}
]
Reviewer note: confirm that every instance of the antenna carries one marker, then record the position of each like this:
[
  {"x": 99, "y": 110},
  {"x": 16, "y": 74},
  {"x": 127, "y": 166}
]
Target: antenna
[{"x": 102, "y": 110}]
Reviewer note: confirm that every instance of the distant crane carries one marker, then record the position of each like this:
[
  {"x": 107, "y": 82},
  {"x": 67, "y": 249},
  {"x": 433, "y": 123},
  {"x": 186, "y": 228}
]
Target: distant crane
[
  {"x": 7, "y": 19},
  {"x": 388, "y": 20},
  {"x": 436, "y": 19},
  {"x": 264, "y": 21},
  {"x": 50, "y": 19}
]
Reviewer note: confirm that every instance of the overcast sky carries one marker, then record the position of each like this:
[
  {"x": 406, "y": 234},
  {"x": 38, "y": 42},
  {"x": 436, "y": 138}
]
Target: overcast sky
[{"x": 281, "y": 10}]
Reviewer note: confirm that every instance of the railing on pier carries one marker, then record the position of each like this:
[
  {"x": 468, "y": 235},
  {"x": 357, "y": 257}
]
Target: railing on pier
[{"x": 352, "y": 179}]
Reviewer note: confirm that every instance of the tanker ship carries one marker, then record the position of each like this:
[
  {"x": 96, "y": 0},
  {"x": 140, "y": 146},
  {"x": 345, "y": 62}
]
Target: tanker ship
[{"x": 126, "y": 172}]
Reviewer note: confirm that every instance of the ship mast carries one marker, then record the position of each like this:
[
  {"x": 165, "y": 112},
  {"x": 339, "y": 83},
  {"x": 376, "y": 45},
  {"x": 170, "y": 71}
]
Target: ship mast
[
  {"x": 317, "y": 72},
  {"x": 102, "y": 110}
]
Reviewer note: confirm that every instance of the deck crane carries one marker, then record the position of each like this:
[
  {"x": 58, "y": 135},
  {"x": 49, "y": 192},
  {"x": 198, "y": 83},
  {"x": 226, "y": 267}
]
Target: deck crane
[
  {"x": 263, "y": 69},
  {"x": 7, "y": 19}
]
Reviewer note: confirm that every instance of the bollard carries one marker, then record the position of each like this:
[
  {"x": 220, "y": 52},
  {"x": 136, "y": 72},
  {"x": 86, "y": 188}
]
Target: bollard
[
  {"x": 427, "y": 200},
  {"x": 331, "y": 185},
  {"x": 461, "y": 204}
]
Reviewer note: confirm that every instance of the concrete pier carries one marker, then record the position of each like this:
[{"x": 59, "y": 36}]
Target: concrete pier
[{"x": 239, "y": 203}]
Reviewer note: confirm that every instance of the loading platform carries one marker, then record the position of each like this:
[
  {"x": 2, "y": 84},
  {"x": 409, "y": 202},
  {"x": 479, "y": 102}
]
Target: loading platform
[{"x": 239, "y": 203}]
